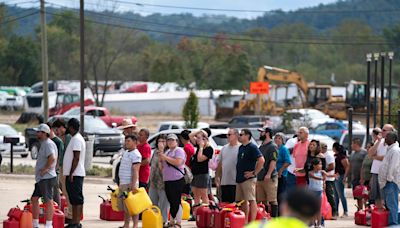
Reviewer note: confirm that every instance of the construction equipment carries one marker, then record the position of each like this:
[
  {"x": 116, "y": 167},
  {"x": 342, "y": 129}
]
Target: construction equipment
[{"x": 312, "y": 96}]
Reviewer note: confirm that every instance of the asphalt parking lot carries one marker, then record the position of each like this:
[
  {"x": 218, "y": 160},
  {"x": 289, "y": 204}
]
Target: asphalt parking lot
[{"x": 15, "y": 188}]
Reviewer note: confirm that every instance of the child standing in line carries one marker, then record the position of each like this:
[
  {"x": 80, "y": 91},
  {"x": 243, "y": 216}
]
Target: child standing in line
[{"x": 317, "y": 178}]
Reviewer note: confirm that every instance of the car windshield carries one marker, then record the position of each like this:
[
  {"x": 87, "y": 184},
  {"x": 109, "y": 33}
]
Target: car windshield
[
  {"x": 7, "y": 131},
  {"x": 94, "y": 124},
  {"x": 220, "y": 140},
  {"x": 72, "y": 112}
]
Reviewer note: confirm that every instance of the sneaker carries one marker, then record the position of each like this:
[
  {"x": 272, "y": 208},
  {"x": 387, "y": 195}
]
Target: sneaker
[
  {"x": 345, "y": 215},
  {"x": 192, "y": 219}
]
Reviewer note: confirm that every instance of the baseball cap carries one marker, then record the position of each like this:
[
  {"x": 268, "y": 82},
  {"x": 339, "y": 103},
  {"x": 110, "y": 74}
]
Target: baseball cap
[
  {"x": 43, "y": 128},
  {"x": 266, "y": 130},
  {"x": 172, "y": 136}
]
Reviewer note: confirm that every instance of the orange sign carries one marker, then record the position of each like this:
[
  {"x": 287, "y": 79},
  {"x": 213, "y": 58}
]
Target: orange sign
[{"x": 259, "y": 87}]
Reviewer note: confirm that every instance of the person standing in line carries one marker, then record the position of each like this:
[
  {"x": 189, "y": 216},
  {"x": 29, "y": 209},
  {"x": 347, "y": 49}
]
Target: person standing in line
[
  {"x": 189, "y": 150},
  {"x": 45, "y": 176},
  {"x": 356, "y": 159},
  {"x": 267, "y": 178},
  {"x": 341, "y": 172},
  {"x": 128, "y": 127},
  {"x": 389, "y": 177},
  {"x": 173, "y": 161},
  {"x": 129, "y": 176},
  {"x": 300, "y": 155},
  {"x": 226, "y": 171},
  {"x": 330, "y": 179},
  {"x": 282, "y": 164},
  {"x": 250, "y": 162},
  {"x": 60, "y": 149},
  {"x": 145, "y": 150},
  {"x": 157, "y": 189},
  {"x": 377, "y": 153},
  {"x": 74, "y": 171},
  {"x": 200, "y": 171},
  {"x": 291, "y": 177},
  {"x": 60, "y": 130}
]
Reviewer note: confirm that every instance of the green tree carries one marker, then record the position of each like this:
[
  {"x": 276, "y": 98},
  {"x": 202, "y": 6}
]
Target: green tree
[{"x": 190, "y": 112}]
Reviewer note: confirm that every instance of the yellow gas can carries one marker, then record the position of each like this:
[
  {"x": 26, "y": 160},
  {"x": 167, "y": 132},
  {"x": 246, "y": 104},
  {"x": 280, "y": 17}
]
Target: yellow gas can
[
  {"x": 185, "y": 210},
  {"x": 138, "y": 202},
  {"x": 114, "y": 200},
  {"x": 152, "y": 218}
]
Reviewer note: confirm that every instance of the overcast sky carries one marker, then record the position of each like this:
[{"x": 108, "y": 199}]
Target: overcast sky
[{"x": 121, "y": 5}]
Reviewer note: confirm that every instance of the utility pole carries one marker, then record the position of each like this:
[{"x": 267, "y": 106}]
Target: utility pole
[
  {"x": 383, "y": 54},
  {"x": 45, "y": 75},
  {"x": 82, "y": 60},
  {"x": 368, "y": 101},
  {"x": 376, "y": 57},
  {"x": 390, "y": 55}
]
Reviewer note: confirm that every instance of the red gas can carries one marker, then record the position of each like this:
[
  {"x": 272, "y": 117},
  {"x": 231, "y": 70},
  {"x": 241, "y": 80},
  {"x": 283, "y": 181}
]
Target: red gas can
[
  {"x": 108, "y": 214},
  {"x": 360, "y": 218},
  {"x": 201, "y": 216},
  {"x": 235, "y": 219},
  {"x": 14, "y": 213},
  {"x": 11, "y": 223},
  {"x": 261, "y": 213},
  {"x": 220, "y": 217},
  {"x": 211, "y": 216},
  {"x": 379, "y": 218},
  {"x": 58, "y": 219},
  {"x": 63, "y": 202}
]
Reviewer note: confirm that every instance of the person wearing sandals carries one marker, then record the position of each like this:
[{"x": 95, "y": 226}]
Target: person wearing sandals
[
  {"x": 173, "y": 161},
  {"x": 129, "y": 176},
  {"x": 199, "y": 164},
  {"x": 157, "y": 191}
]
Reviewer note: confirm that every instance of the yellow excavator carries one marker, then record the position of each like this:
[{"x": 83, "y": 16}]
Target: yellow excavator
[{"x": 312, "y": 96}]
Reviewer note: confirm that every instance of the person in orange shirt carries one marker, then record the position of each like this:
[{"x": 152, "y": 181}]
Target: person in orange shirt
[{"x": 300, "y": 155}]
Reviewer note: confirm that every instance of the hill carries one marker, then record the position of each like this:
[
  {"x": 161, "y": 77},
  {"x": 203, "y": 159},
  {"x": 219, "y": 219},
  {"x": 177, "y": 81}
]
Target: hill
[{"x": 378, "y": 14}]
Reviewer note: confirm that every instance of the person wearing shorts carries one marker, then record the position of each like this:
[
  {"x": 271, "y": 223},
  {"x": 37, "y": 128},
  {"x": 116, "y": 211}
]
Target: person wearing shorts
[
  {"x": 45, "y": 176},
  {"x": 267, "y": 178},
  {"x": 129, "y": 176},
  {"x": 74, "y": 171},
  {"x": 199, "y": 165},
  {"x": 249, "y": 163}
]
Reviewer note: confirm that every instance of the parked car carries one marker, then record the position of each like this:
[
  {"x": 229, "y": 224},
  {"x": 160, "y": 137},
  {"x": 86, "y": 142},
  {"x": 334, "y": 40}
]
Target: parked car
[
  {"x": 5, "y": 148},
  {"x": 344, "y": 140},
  {"x": 335, "y": 129},
  {"x": 257, "y": 121},
  {"x": 167, "y": 125},
  {"x": 107, "y": 141},
  {"x": 217, "y": 140},
  {"x": 307, "y": 117},
  {"x": 101, "y": 112}
]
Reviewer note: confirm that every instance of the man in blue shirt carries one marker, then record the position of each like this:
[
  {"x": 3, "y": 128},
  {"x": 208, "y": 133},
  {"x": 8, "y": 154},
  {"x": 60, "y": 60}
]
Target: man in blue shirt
[{"x": 249, "y": 164}]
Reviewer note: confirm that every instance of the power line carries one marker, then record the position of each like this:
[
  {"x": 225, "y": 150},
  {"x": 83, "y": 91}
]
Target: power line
[
  {"x": 280, "y": 41},
  {"x": 279, "y": 36},
  {"x": 19, "y": 18},
  {"x": 304, "y": 11}
]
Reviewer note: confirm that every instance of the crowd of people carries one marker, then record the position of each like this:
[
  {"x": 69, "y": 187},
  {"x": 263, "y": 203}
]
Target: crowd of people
[{"x": 244, "y": 172}]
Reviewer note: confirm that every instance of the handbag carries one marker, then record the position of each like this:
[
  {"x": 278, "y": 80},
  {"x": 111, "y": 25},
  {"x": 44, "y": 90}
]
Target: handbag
[{"x": 187, "y": 174}]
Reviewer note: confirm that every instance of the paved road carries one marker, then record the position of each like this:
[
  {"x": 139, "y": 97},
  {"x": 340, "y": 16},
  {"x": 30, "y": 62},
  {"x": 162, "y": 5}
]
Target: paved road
[
  {"x": 99, "y": 161},
  {"x": 14, "y": 188}
]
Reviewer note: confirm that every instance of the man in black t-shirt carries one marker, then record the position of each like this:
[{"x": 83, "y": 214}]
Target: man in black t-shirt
[{"x": 267, "y": 179}]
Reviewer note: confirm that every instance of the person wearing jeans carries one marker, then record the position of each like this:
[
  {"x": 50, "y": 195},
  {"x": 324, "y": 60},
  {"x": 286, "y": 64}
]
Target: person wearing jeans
[
  {"x": 389, "y": 177},
  {"x": 330, "y": 181},
  {"x": 341, "y": 172}
]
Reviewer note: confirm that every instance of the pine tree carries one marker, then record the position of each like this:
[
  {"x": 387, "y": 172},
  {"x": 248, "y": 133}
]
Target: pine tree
[{"x": 190, "y": 112}]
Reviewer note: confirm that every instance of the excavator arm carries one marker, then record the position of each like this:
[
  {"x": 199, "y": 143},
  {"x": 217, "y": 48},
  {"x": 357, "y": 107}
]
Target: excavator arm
[{"x": 268, "y": 73}]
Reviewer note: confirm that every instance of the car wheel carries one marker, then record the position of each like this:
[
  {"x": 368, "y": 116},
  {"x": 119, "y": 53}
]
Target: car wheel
[
  {"x": 35, "y": 150},
  {"x": 24, "y": 155}
]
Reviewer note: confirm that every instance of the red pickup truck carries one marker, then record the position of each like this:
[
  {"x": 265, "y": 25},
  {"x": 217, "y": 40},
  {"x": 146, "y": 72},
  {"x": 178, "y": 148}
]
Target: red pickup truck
[{"x": 102, "y": 113}]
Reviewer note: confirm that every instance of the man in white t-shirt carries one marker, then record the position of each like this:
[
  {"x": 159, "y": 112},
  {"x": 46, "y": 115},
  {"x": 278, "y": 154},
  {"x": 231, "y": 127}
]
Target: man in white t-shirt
[
  {"x": 330, "y": 181},
  {"x": 377, "y": 152},
  {"x": 226, "y": 171},
  {"x": 291, "y": 177},
  {"x": 74, "y": 170},
  {"x": 129, "y": 175}
]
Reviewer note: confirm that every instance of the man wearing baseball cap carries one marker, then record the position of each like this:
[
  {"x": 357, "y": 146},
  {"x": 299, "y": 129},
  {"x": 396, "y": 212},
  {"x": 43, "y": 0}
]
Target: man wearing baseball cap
[
  {"x": 267, "y": 178},
  {"x": 45, "y": 175}
]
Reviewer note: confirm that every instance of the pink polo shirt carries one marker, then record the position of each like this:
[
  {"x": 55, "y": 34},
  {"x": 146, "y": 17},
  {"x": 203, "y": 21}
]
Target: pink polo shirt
[{"x": 300, "y": 155}]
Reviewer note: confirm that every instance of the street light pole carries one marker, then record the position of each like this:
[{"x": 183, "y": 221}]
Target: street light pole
[
  {"x": 368, "y": 101},
  {"x": 376, "y": 57},
  {"x": 383, "y": 54},
  {"x": 390, "y": 55},
  {"x": 82, "y": 63}
]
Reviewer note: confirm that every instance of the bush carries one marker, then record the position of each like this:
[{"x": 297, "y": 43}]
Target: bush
[{"x": 190, "y": 112}]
